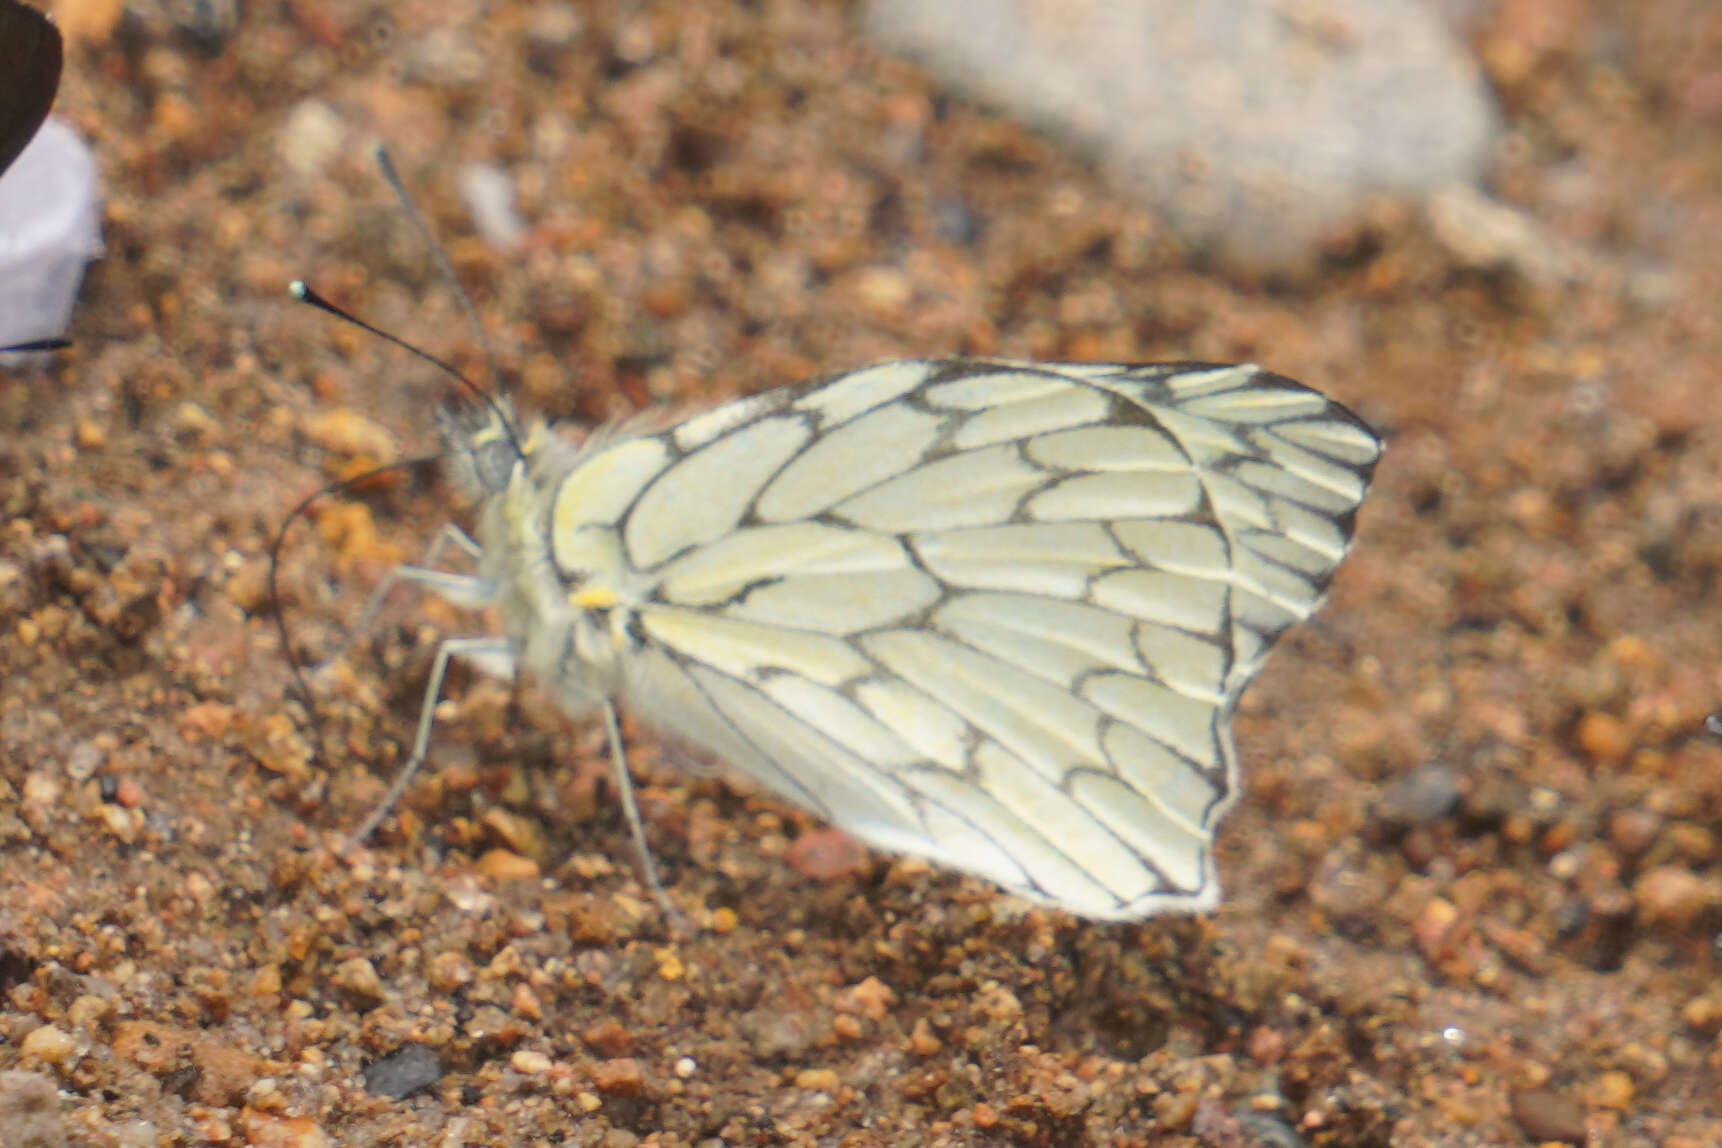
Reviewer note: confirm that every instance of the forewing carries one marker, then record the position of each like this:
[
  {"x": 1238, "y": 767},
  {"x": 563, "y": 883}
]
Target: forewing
[
  {"x": 30, "y": 59},
  {"x": 995, "y": 614}
]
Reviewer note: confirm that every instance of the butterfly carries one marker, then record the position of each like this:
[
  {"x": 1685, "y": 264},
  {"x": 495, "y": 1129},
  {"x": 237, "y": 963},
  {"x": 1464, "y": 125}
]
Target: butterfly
[
  {"x": 31, "y": 55},
  {"x": 30, "y": 58},
  {"x": 992, "y": 613}
]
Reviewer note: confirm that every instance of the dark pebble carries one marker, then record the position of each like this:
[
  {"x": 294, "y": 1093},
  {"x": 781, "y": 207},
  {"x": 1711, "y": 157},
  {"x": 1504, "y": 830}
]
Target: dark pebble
[
  {"x": 409, "y": 1069},
  {"x": 1428, "y": 793}
]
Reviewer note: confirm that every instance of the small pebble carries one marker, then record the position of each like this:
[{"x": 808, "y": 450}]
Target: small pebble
[
  {"x": 609, "y": 1038},
  {"x": 1694, "y": 843},
  {"x": 1703, "y": 1014},
  {"x": 1603, "y": 737},
  {"x": 884, "y": 290},
  {"x": 1267, "y": 1130},
  {"x": 89, "y": 434},
  {"x": 121, "y": 823},
  {"x": 359, "y": 980},
  {"x": 518, "y": 834},
  {"x": 310, "y": 137},
  {"x": 264, "y": 1093},
  {"x": 1613, "y": 1090},
  {"x": 266, "y": 1130},
  {"x": 134, "y": 1134},
  {"x": 89, "y": 1010},
  {"x": 818, "y": 1080},
  {"x": 1670, "y": 895},
  {"x": 525, "y": 1003},
  {"x": 449, "y": 971},
  {"x": 1546, "y": 1115},
  {"x": 1434, "y": 927},
  {"x": 84, "y": 759},
  {"x": 619, "y": 1076},
  {"x": 591, "y": 923},
  {"x": 777, "y": 1032},
  {"x": 503, "y": 865},
  {"x": 42, "y": 788},
  {"x": 346, "y": 432},
  {"x": 825, "y": 854},
  {"x": 1430, "y": 792},
  {"x": 553, "y": 26},
  {"x": 489, "y": 194},
  {"x": 1634, "y": 830},
  {"x": 48, "y": 1045},
  {"x": 529, "y": 1062},
  {"x": 401, "y": 1073},
  {"x": 1266, "y": 1046},
  {"x": 128, "y": 794},
  {"x": 193, "y": 422},
  {"x": 872, "y": 998}
]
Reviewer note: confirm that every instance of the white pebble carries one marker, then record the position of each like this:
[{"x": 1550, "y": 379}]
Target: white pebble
[{"x": 489, "y": 194}]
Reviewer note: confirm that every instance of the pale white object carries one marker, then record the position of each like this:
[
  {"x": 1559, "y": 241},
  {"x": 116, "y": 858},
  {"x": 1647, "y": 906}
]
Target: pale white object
[
  {"x": 1255, "y": 129},
  {"x": 311, "y": 136},
  {"x": 489, "y": 194},
  {"x": 50, "y": 228},
  {"x": 991, "y": 613}
]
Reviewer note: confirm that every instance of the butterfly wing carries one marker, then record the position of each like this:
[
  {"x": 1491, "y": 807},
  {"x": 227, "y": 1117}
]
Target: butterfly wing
[
  {"x": 30, "y": 58},
  {"x": 995, "y": 614}
]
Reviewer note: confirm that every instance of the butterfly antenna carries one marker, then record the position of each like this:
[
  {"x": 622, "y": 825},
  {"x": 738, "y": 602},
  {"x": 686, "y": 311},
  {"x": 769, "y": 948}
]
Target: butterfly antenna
[
  {"x": 392, "y": 177},
  {"x": 304, "y": 293},
  {"x": 295, "y": 664}
]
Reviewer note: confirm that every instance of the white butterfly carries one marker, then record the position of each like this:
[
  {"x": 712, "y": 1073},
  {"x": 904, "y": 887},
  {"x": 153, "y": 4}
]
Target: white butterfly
[{"x": 995, "y": 614}]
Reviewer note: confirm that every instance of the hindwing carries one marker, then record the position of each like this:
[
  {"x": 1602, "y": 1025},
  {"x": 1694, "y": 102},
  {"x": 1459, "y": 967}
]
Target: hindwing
[{"x": 996, "y": 614}]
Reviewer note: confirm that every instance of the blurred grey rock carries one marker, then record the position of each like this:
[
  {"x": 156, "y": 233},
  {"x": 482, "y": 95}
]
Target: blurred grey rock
[
  {"x": 1429, "y": 793},
  {"x": 30, "y": 1111},
  {"x": 408, "y": 1069},
  {"x": 1255, "y": 128}
]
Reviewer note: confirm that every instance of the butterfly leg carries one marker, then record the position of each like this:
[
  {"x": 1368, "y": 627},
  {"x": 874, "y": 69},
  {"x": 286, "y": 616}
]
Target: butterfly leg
[
  {"x": 492, "y": 655},
  {"x": 625, "y": 787},
  {"x": 459, "y": 589}
]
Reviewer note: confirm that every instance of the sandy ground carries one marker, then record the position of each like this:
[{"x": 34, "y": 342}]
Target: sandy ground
[{"x": 1474, "y": 885}]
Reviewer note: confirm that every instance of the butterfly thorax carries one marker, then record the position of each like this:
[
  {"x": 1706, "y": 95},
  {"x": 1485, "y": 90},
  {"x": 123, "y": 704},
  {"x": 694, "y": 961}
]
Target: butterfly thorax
[{"x": 567, "y": 625}]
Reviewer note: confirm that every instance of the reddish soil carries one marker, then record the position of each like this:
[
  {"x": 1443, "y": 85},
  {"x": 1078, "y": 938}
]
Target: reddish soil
[{"x": 1474, "y": 887}]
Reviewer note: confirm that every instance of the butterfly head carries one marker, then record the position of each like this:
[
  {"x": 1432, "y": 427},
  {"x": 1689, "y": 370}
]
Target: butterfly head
[{"x": 483, "y": 445}]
